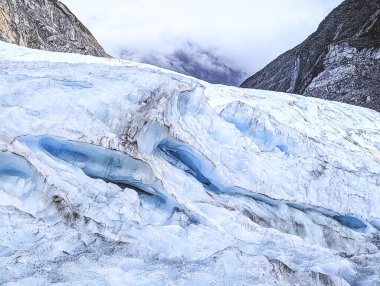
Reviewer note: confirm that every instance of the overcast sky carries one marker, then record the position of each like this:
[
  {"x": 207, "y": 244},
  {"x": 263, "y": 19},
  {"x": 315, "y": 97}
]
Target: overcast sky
[{"x": 247, "y": 33}]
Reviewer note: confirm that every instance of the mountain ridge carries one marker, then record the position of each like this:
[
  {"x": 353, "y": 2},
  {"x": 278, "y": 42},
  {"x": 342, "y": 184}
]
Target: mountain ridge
[
  {"x": 46, "y": 25},
  {"x": 339, "y": 61}
]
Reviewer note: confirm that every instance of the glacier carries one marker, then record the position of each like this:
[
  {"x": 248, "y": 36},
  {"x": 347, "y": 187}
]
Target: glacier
[{"x": 118, "y": 173}]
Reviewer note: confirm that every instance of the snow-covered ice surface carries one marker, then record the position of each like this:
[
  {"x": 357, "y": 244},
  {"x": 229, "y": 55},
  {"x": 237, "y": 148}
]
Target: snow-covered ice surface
[{"x": 117, "y": 173}]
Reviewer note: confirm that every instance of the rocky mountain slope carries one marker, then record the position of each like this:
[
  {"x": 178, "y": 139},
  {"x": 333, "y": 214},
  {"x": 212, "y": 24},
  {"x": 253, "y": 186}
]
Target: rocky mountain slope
[
  {"x": 340, "y": 61},
  {"x": 47, "y": 25},
  {"x": 117, "y": 173}
]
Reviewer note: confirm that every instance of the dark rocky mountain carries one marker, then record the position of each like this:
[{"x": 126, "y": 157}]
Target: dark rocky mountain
[
  {"x": 340, "y": 61},
  {"x": 47, "y": 25},
  {"x": 193, "y": 60}
]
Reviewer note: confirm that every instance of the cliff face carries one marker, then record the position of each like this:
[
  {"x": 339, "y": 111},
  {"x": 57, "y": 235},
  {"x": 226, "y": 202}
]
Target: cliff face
[
  {"x": 340, "y": 61},
  {"x": 47, "y": 25}
]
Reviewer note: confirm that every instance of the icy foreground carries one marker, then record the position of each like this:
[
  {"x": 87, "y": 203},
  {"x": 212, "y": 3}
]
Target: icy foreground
[{"x": 116, "y": 173}]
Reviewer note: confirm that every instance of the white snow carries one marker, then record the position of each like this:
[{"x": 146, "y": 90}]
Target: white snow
[{"x": 123, "y": 173}]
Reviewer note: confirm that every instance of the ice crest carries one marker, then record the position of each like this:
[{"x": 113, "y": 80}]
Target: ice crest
[{"x": 113, "y": 172}]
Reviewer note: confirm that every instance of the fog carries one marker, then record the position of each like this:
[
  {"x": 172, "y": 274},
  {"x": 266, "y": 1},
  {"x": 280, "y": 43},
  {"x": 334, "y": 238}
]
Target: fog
[{"x": 246, "y": 34}]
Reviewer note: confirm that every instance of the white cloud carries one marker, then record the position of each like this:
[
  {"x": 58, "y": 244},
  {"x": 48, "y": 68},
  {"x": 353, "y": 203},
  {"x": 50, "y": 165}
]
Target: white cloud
[{"x": 249, "y": 33}]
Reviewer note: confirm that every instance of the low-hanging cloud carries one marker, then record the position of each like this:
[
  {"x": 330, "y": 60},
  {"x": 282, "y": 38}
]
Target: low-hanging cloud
[{"x": 248, "y": 34}]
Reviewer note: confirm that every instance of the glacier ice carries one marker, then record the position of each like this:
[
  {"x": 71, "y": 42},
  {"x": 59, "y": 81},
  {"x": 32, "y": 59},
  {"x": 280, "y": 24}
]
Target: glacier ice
[{"x": 117, "y": 173}]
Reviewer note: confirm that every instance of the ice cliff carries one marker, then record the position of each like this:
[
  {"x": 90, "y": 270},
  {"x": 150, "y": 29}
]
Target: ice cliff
[{"x": 117, "y": 173}]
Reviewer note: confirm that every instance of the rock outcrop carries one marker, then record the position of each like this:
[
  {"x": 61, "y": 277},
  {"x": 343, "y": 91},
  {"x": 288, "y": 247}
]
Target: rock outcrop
[
  {"x": 340, "y": 61},
  {"x": 46, "y": 25}
]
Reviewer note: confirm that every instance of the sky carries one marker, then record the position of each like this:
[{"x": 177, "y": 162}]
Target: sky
[{"x": 248, "y": 34}]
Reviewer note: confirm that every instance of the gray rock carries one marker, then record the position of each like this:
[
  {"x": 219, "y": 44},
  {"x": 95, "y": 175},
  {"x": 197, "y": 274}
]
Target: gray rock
[
  {"x": 340, "y": 61},
  {"x": 47, "y": 25}
]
